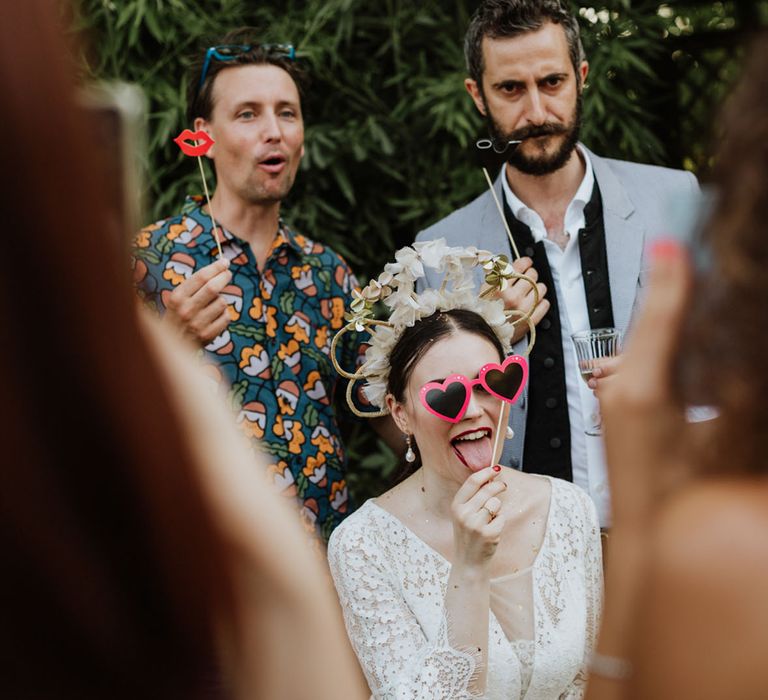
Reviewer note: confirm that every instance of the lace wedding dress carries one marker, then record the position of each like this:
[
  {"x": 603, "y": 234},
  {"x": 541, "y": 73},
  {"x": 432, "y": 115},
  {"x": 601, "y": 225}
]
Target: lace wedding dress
[{"x": 543, "y": 619}]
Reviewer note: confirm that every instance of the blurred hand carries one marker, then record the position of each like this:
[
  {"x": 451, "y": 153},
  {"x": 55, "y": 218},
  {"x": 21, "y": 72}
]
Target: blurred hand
[
  {"x": 603, "y": 369},
  {"x": 196, "y": 305},
  {"x": 519, "y": 296},
  {"x": 644, "y": 428},
  {"x": 476, "y": 534}
]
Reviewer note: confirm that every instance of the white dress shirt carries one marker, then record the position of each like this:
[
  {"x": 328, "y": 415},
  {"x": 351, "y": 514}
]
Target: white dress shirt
[{"x": 587, "y": 454}]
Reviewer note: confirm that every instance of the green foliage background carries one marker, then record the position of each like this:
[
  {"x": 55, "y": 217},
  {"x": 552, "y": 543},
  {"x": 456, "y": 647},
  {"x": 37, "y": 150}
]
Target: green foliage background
[{"x": 388, "y": 124}]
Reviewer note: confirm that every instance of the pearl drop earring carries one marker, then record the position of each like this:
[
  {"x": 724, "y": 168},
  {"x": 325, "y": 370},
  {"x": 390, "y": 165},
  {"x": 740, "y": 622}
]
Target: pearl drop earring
[{"x": 410, "y": 455}]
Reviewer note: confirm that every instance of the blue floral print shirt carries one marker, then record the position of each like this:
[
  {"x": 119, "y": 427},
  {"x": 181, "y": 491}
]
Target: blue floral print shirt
[{"x": 275, "y": 353}]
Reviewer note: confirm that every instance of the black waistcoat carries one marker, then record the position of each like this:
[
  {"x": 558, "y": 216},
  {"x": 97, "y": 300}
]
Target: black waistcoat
[{"x": 548, "y": 432}]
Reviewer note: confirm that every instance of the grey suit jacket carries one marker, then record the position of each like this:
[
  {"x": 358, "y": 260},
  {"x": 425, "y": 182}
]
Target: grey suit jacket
[{"x": 633, "y": 208}]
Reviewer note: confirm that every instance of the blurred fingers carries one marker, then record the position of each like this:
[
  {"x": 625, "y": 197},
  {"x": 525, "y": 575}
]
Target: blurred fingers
[
  {"x": 199, "y": 279},
  {"x": 656, "y": 333},
  {"x": 215, "y": 328}
]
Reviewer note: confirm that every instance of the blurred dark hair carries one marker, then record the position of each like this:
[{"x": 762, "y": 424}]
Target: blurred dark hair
[
  {"x": 114, "y": 574},
  {"x": 504, "y": 19},
  {"x": 729, "y": 334},
  {"x": 200, "y": 98},
  {"x": 414, "y": 343}
]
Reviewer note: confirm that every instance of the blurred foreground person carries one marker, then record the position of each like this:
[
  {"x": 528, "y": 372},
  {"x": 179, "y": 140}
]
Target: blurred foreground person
[
  {"x": 686, "y": 612},
  {"x": 143, "y": 556}
]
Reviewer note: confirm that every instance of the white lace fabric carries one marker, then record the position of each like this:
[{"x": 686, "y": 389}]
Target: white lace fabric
[{"x": 392, "y": 587}]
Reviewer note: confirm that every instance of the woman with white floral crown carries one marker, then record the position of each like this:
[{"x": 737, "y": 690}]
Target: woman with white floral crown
[{"x": 467, "y": 579}]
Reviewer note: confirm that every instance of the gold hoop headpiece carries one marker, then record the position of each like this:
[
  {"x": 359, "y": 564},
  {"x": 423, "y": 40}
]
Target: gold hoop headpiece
[{"x": 396, "y": 289}]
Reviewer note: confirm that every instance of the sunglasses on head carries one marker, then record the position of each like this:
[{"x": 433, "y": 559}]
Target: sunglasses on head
[
  {"x": 449, "y": 399},
  {"x": 229, "y": 52}
]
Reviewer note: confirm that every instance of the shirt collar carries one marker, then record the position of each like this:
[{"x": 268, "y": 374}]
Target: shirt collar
[
  {"x": 194, "y": 206},
  {"x": 574, "y": 212}
]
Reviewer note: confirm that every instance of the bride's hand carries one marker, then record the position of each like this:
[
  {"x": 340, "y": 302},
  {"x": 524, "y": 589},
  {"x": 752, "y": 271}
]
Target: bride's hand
[{"x": 478, "y": 517}]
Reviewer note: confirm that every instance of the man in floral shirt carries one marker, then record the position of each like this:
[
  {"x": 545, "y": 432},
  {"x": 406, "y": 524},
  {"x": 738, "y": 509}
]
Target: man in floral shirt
[{"x": 267, "y": 311}]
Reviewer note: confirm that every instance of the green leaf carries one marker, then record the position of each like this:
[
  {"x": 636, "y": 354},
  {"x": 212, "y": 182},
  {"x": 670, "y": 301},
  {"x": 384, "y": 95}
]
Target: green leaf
[
  {"x": 236, "y": 394},
  {"x": 276, "y": 366},
  {"x": 324, "y": 276},
  {"x": 146, "y": 254},
  {"x": 343, "y": 181},
  {"x": 255, "y": 333},
  {"x": 286, "y": 302},
  {"x": 278, "y": 449},
  {"x": 164, "y": 245},
  {"x": 327, "y": 527},
  {"x": 302, "y": 484},
  {"x": 315, "y": 354},
  {"x": 311, "y": 417}
]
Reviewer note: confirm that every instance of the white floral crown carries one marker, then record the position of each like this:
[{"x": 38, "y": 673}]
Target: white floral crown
[{"x": 396, "y": 288}]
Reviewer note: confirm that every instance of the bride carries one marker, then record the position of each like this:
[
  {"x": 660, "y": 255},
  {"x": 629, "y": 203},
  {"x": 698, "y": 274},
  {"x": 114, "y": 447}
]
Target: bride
[{"x": 466, "y": 579}]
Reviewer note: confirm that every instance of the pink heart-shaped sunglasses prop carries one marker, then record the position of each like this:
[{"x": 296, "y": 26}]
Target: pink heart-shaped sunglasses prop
[{"x": 449, "y": 399}]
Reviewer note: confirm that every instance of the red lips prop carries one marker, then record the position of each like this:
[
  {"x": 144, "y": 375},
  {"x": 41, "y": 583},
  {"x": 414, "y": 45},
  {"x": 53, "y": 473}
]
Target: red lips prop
[{"x": 187, "y": 142}]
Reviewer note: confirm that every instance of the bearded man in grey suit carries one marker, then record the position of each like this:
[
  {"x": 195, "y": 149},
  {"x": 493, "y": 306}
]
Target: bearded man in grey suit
[{"x": 579, "y": 221}]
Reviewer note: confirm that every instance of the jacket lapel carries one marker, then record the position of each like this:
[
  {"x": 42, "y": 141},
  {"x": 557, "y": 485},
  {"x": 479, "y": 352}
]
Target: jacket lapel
[
  {"x": 624, "y": 240},
  {"x": 492, "y": 235}
]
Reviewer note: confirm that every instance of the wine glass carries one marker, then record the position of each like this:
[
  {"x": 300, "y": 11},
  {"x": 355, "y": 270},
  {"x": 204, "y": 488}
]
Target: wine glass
[{"x": 591, "y": 346}]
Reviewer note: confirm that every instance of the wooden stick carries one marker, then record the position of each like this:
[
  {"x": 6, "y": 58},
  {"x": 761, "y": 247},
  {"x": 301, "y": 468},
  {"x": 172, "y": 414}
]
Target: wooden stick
[
  {"x": 210, "y": 208},
  {"x": 498, "y": 434},
  {"x": 501, "y": 213}
]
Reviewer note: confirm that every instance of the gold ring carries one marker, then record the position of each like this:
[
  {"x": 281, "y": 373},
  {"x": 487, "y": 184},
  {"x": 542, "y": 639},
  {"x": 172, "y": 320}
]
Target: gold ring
[{"x": 490, "y": 512}]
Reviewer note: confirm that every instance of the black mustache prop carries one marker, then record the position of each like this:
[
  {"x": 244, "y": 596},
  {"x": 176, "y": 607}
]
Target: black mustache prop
[{"x": 491, "y": 153}]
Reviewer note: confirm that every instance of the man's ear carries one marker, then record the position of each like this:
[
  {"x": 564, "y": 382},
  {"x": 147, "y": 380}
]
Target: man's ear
[
  {"x": 583, "y": 72},
  {"x": 474, "y": 92},
  {"x": 397, "y": 411},
  {"x": 202, "y": 125}
]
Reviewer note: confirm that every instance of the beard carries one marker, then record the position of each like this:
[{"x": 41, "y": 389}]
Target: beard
[
  {"x": 543, "y": 163},
  {"x": 265, "y": 193}
]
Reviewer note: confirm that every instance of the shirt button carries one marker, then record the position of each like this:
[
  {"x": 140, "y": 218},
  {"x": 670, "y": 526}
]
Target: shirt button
[
  {"x": 545, "y": 324},
  {"x": 514, "y": 463},
  {"x": 551, "y": 402},
  {"x": 554, "y": 443},
  {"x": 549, "y": 362},
  {"x": 528, "y": 251}
]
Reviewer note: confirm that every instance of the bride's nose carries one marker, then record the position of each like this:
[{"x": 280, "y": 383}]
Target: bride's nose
[{"x": 474, "y": 407}]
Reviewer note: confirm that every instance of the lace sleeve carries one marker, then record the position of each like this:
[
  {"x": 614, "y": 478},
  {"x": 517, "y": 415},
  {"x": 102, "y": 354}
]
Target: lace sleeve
[
  {"x": 398, "y": 659},
  {"x": 593, "y": 583}
]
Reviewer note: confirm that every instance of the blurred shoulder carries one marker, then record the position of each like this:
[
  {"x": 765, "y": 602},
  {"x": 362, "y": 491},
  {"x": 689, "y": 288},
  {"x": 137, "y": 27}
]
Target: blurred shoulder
[
  {"x": 704, "y": 626},
  {"x": 716, "y": 531}
]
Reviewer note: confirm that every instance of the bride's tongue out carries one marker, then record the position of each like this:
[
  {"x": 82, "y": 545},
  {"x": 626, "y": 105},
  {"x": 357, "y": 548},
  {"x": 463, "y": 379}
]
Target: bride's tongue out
[{"x": 475, "y": 449}]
